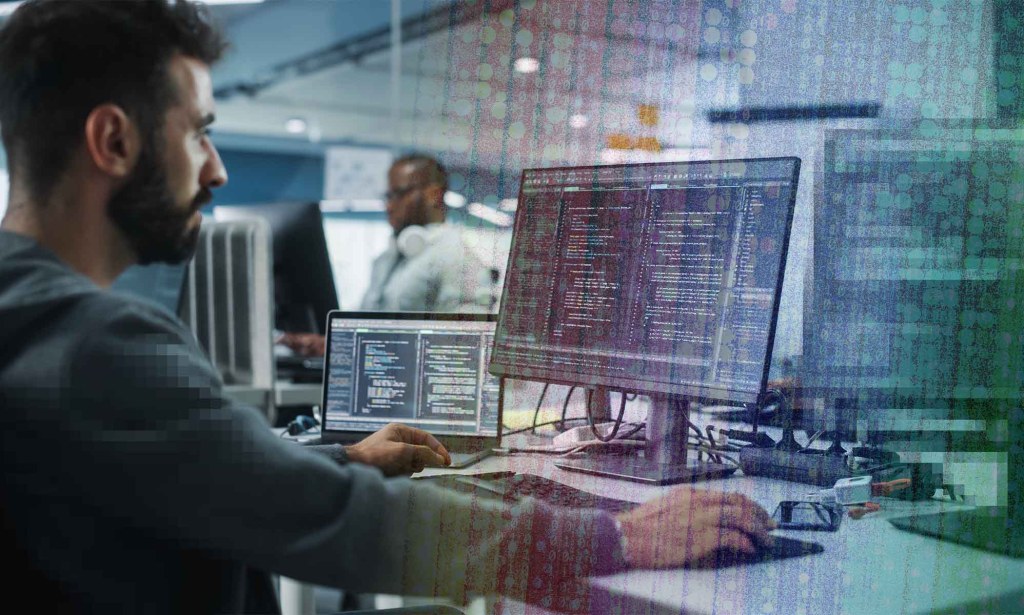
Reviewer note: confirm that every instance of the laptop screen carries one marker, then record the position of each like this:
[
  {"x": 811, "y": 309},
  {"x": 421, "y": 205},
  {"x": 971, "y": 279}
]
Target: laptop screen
[{"x": 425, "y": 370}]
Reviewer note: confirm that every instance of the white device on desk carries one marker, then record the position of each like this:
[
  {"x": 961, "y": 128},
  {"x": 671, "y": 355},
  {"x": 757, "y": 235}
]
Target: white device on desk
[
  {"x": 853, "y": 490},
  {"x": 424, "y": 370}
]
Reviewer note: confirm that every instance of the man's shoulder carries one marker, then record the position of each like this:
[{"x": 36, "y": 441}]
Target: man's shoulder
[
  {"x": 105, "y": 309},
  {"x": 140, "y": 347}
]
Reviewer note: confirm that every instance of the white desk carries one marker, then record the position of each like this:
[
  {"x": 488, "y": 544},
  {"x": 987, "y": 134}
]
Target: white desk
[
  {"x": 287, "y": 393},
  {"x": 868, "y": 565}
]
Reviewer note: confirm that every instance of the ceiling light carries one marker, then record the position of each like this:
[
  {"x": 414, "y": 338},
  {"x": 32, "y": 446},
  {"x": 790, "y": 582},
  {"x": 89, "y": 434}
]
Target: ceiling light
[
  {"x": 454, "y": 200},
  {"x": 526, "y": 65},
  {"x": 296, "y": 126},
  {"x": 484, "y": 212},
  {"x": 508, "y": 204},
  {"x": 578, "y": 120}
]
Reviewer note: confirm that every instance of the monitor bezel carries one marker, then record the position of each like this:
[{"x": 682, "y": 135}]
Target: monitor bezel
[{"x": 695, "y": 391}]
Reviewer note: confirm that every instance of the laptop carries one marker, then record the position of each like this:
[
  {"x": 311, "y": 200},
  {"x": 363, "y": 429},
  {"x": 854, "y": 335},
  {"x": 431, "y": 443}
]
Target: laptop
[{"x": 426, "y": 370}]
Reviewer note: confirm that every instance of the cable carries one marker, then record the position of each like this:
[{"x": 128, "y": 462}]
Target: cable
[
  {"x": 711, "y": 442},
  {"x": 700, "y": 437},
  {"x": 536, "y": 411},
  {"x": 814, "y": 437},
  {"x": 565, "y": 407},
  {"x": 710, "y": 452},
  {"x": 549, "y": 450},
  {"x": 635, "y": 431},
  {"x": 692, "y": 426},
  {"x": 525, "y": 429},
  {"x": 722, "y": 444},
  {"x": 590, "y": 417}
]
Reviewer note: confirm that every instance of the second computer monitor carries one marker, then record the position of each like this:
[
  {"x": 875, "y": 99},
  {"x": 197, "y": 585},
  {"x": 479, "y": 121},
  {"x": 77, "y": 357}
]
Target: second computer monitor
[
  {"x": 661, "y": 279},
  {"x": 304, "y": 289}
]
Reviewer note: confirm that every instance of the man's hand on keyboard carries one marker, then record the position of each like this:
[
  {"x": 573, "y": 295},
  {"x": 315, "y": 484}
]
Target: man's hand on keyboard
[
  {"x": 399, "y": 449},
  {"x": 304, "y": 344},
  {"x": 688, "y": 526}
]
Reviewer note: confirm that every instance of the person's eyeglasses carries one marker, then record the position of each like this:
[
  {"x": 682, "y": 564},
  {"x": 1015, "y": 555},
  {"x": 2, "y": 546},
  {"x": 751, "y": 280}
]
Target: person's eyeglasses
[{"x": 398, "y": 193}]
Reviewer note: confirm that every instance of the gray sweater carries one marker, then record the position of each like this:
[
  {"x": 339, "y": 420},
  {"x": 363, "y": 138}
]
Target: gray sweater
[{"x": 132, "y": 484}]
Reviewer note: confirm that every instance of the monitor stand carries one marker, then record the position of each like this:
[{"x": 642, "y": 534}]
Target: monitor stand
[{"x": 665, "y": 454}]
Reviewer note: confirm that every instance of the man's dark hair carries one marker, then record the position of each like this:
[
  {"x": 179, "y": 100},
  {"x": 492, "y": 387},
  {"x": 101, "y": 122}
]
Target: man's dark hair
[
  {"x": 60, "y": 59},
  {"x": 428, "y": 165}
]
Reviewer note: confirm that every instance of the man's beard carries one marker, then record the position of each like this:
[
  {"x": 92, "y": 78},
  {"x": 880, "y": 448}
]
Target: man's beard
[{"x": 145, "y": 211}]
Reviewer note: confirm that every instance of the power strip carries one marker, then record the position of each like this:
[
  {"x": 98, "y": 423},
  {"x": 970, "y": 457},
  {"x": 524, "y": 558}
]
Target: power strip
[{"x": 811, "y": 468}]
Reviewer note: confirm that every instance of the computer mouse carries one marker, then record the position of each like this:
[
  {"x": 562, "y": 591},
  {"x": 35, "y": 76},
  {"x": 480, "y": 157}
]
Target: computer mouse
[
  {"x": 780, "y": 547},
  {"x": 726, "y": 557}
]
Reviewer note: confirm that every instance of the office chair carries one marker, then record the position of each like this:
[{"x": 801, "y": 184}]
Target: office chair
[{"x": 228, "y": 303}]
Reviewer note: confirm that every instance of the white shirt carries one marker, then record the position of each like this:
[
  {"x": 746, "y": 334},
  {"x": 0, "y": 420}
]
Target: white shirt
[{"x": 444, "y": 277}]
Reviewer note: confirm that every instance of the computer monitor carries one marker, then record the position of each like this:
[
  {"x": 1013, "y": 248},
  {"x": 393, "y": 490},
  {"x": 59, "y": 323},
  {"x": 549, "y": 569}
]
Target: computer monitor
[
  {"x": 304, "y": 290},
  {"x": 914, "y": 320},
  {"x": 661, "y": 279}
]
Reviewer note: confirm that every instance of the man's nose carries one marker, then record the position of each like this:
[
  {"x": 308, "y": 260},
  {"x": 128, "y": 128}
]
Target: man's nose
[{"x": 214, "y": 174}]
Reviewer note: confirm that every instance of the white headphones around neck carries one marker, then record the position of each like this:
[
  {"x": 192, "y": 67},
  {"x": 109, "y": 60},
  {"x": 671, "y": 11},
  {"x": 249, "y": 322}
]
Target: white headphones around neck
[{"x": 414, "y": 239}]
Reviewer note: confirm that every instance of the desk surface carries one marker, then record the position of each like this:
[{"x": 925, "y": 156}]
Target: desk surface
[{"x": 868, "y": 565}]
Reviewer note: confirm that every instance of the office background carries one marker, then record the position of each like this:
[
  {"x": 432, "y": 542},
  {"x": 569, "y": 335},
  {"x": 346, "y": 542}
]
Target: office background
[
  {"x": 316, "y": 96},
  {"x": 495, "y": 86}
]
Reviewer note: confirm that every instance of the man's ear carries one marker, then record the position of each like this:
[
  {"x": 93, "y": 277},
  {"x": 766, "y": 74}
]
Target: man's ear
[{"x": 112, "y": 140}]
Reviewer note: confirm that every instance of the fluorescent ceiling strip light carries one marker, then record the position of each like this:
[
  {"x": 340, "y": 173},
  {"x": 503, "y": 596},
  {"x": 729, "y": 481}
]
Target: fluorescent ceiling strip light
[{"x": 484, "y": 212}]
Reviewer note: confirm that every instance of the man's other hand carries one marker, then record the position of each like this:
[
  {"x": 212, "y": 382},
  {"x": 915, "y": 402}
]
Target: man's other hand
[
  {"x": 304, "y": 344},
  {"x": 399, "y": 449},
  {"x": 687, "y": 526}
]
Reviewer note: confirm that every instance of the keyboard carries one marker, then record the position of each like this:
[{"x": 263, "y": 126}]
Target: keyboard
[
  {"x": 557, "y": 494},
  {"x": 511, "y": 487}
]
